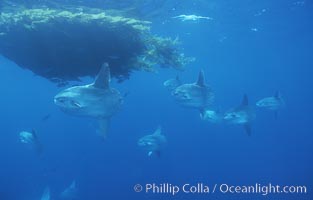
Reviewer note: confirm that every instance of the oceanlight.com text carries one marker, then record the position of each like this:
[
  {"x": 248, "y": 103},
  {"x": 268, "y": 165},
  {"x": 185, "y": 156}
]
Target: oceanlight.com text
[
  {"x": 263, "y": 189},
  {"x": 202, "y": 188}
]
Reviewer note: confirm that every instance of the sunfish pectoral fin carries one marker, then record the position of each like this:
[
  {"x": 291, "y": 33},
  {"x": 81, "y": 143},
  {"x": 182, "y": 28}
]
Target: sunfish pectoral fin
[
  {"x": 202, "y": 113},
  {"x": 103, "y": 78},
  {"x": 248, "y": 128},
  {"x": 245, "y": 101},
  {"x": 76, "y": 104},
  {"x": 103, "y": 127}
]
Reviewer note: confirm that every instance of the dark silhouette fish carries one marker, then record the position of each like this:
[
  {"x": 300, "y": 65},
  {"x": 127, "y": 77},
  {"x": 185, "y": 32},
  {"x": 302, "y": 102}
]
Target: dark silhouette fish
[{"x": 32, "y": 139}]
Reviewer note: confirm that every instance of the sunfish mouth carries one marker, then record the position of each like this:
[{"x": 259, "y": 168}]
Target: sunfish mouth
[{"x": 59, "y": 100}]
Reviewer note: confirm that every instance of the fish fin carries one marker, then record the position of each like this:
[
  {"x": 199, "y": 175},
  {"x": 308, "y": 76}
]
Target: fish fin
[
  {"x": 202, "y": 113},
  {"x": 201, "y": 80},
  {"x": 248, "y": 128},
  {"x": 150, "y": 153},
  {"x": 103, "y": 127},
  {"x": 158, "y": 131},
  {"x": 46, "y": 194},
  {"x": 201, "y": 116},
  {"x": 73, "y": 185},
  {"x": 103, "y": 78},
  {"x": 277, "y": 95},
  {"x": 158, "y": 154},
  {"x": 37, "y": 145},
  {"x": 245, "y": 101},
  {"x": 34, "y": 133}
]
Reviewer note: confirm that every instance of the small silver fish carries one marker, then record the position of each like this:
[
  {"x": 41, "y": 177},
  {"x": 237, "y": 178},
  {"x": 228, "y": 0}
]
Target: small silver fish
[
  {"x": 172, "y": 83},
  {"x": 153, "y": 143}
]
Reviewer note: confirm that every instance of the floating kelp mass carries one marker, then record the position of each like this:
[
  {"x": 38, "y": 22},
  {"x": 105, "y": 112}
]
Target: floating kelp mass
[{"x": 66, "y": 44}]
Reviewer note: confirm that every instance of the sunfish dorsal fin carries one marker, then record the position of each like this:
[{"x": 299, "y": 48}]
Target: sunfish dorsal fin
[
  {"x": 201, "y": 80},
  {"x": 103, "y": 78},
  {"x": 277, "y": 95},
  {"x": 245, "y": 100},
  {"x": 158, "y": 131},
  {"x": 73, "y": 185}
]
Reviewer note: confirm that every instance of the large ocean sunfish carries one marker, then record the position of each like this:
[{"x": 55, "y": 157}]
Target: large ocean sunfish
[
  {"x": 196, "y": 95},
  {"x": 97, "y": 100},
  {"x": 242, "y": 115}
]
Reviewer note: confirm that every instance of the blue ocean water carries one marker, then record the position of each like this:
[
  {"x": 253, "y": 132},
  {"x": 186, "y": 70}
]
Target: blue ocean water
[{"x": 250, "y": 47}]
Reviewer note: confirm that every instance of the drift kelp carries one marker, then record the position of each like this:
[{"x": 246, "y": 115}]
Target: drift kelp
[{"x": 66, "y": 44}]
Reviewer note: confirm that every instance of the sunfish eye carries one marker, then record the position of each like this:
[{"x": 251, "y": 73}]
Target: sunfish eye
[{"x": 60, "y": 99}]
